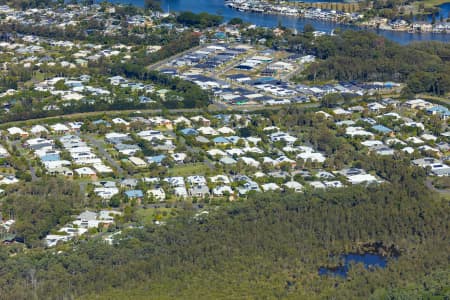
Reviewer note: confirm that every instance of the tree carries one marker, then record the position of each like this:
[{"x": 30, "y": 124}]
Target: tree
[
  {"x": 152, "y": 5},
  {"x": 331, "y": 100},
  {"x": 236, "y": 21},
  {"x": 308, "y": 29}
]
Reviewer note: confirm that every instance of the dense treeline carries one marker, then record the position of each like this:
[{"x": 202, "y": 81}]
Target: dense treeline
[
  {"x": 366, "y": 56},
  {"x": 91, "y": 31},
  {"x": 40, "y": 206},
  {"x": 152, "y": 4},
  {"x": 26, "y": 4},
  {"x": 269, "y": 246},
  {"x": 201, "y": 20}
]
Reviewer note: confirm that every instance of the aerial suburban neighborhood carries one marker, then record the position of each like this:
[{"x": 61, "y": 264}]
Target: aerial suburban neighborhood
[{"x": 153, "y": 159}]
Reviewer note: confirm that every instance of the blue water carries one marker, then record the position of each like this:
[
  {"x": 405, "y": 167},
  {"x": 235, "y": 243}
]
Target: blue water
[
  {"x": 444, "y": 11},
  {"x": 368, "y": 260},
  {"x": 218, "y": 7}
]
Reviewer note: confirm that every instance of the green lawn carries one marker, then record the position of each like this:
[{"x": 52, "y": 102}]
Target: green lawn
[
  {"x": 148, "y": 215},
  {"x": 188, "y": 169}
]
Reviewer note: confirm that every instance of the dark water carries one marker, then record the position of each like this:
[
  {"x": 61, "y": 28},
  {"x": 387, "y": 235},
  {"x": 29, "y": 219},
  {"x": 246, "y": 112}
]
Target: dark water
[
  {"x": 368, "y": 260},
  {"x": 444, "y": 11},
  {"x": 218, "y": 7}
]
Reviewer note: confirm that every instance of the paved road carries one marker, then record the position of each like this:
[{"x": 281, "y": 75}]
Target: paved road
[
  {"x": 195, "y": 206},
  {"x": 430, "y": 185},
  {"x": 222, "y": 108},
  {"x": 105, "y": 154}
]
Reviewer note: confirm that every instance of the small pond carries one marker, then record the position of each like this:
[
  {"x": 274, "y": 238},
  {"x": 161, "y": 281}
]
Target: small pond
[{"x": 368, "y": 260}]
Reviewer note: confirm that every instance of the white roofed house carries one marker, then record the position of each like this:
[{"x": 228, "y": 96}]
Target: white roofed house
[
  {"x": 220, "y": 179},
  {"x": 440, "y": 169},
  {"x": 157, "y": 193},
  {"x": 375, "y": 107},
  {"x": 3, "y": 152},
  {"x": 120, "y": 121},
  {"x": 436, "y": 166},
  {"x": 225, "y": 130},
  {"x": 216, "y": 152},
  {"x": 282, "y": 136},
  {"x": 138, "y": 162},
  {"x": 286, "y": 160},
  {"x": 317, "y": 184},
  {"x": 39, "y": 143},
  {"x": 293, "y": 186},
  {"x": 75, "y": 126},
  {"x": 102, "y": 169},
  {"x": 207, "y": 131},
  {"x": 85, "y": 158},
  {"x": 333, "y": 184},
  {"x": 180, "y": 192},
  {"x": 59, "y": 128},
  {"x": 86, "y": 172},
  {"x": 267, "y": 187},
  {"x": 179, "y": 158},
  {"x": 414, "y": 124},
  {"x": 222, "y": 190},
  {"x": 429, "y": 137},
  {"x": 116, "y": 136},
  {"x": 248, "y": 187},
  {"x": 382, "y": 150},
  {"x": 127, "y": 149},
  {"x": 17, "y": 132},
  {"x": 106, "y": 192},
  {"x": 38, "y": 130},
  {"x": 414, "y": 140},
  {"x": 196, "y": 180},
  {"x": 358, "y": 131},
  {"x": 202, "y": 120},
  {"x": 418, "y": 104},
  {"x": 175, "y": 181},
  {"x": 253, "y": 150},
  {"x": 362, "y": 178},
  {"x": 182, "y": 120},
  {"x": 313, "y": 156},
  {"x": 234, "y": 152},
  {"x": 151, "y": 135},
  {"x": 200, "y": 191},
  {"x": 341, "y": 112},
  {"x": 270, "y": 161},
  {"x": 250, "y": 161},
  {"x": 7, "y": 180}
]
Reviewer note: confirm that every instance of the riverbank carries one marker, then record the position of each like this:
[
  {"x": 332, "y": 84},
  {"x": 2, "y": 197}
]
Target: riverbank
[
  {"x": 264, "y": 20},
  {"x": 317, "y": 11},
  {"x": 328, "y": 12},
  {"x": 432, "y": 3}
]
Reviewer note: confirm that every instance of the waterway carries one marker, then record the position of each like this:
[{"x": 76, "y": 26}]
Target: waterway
[
  {"x": 369, "y": 261},
  {"x": 218, "y": 7}
]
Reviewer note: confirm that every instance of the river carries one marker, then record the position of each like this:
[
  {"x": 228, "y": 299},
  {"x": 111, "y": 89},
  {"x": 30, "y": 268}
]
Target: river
[{"x": 218, "y": 7}]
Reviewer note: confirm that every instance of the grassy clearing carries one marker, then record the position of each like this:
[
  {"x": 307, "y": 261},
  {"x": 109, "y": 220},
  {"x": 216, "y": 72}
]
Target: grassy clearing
[
  {"x": 148, "y": 215},
  {"x": 188, "y": 169},
  {"x": 432, "y": 3}
]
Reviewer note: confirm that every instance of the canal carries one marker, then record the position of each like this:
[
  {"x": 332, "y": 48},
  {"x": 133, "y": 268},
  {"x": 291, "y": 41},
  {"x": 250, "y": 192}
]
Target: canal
[{"x": 218, "y": 7}]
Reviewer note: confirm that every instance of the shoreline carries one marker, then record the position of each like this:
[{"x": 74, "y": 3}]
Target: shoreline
[{"x": 340, "y": 17}]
